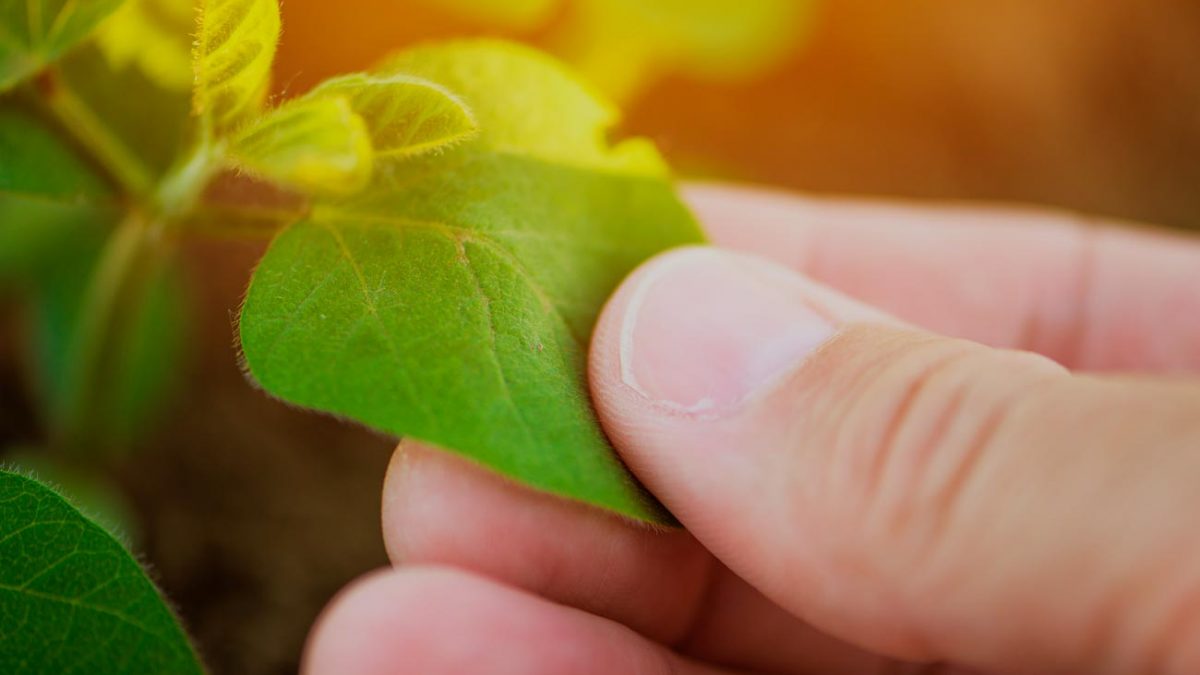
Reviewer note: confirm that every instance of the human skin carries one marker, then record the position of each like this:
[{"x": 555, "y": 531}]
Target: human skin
[{"x": 900, "y": 439}]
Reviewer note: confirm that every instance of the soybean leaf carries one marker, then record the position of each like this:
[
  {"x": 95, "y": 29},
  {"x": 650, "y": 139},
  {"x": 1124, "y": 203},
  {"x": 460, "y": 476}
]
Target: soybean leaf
[
  {"x": 34, "y": 232},
  {"x": 511, "y": 13},
  {"x": 89, "y": 490},
  {"x": 454, "y": 299},
  {"x": 528, "y": 104},
  {"x": 48, "y": 196},
  {"x": 235, "y": 46},
  {"x": 37, "y": 164},
  {"x": 122, "y": 98},
  {"x": 35, "y": 33},
  {"x": 316, "y": 145},
  {"x": 621, "y": 44},
  {"x": 406, "y": 116},
  {"x": 72, "y": 599},
  {"x": 153, "y": 36}
]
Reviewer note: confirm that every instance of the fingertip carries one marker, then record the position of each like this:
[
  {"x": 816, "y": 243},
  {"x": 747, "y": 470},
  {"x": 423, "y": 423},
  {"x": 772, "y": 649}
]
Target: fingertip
[
  {"x": 353, "y": 633},
  {"x": 442, "y": 509},
  {"x": 433, "y": 621},
  {"x": 691, "y": 338},
  {"x": 434, "y": 502}
]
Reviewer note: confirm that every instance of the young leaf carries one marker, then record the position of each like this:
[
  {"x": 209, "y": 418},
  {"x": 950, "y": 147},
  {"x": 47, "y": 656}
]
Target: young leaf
[
  {"x": 453, "y": 300},
  {"x": 527, "y": 103},
  {"x": 155, "y": 36},
  {"x": 72, "y": 599},
  {"x": 314, "y": 145},
  {"x": 235, "y": 46},
  {"x": 622, "y": 44},
  {"x": 406, "y": 116},
  {"x": 35, "y": 33},
  {"x": 521, "y": 14}
]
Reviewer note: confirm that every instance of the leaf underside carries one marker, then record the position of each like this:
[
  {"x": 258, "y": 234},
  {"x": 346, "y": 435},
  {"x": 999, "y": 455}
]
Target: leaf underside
[
  {"x": 453, "y": 301},
  {"x": 72, "y": 599}
]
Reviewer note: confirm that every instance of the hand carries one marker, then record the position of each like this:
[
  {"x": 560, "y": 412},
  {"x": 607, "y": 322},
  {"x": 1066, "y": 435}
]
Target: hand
[{"x": 859, "y": 494}]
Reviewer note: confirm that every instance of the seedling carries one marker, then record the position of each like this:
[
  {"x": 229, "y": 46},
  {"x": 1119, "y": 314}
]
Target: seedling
[{"x": 445, "y": 228}]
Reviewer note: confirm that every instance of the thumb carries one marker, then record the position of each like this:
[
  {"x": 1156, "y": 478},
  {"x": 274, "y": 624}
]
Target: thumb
[{"x": 927, "y": 498}]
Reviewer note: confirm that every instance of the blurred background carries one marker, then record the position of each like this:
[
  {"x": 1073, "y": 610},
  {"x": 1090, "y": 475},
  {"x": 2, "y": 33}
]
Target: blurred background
[{"x": 252, "y": 515}]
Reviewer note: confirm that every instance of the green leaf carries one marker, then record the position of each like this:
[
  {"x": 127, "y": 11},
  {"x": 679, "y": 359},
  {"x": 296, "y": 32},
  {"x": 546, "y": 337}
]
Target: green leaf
[
  {"x": 72, "y": 599},
  {"x": 48, "y": 196},
  {"x": 153, "y": 36},
  {"x": 122, "y": 99},
  {"x": 37, "y": 164},
  {"x": 87, "y": 488},
  {"x": 235, "y": 46},
  {"x": 453, "y": 301},
  {"x": 35, "y": 33},
  {"x": 317, "y": 145},
  {"x": 407, "y": 116},
  {"x": 34, "y": 232},
  {"x": 529, "y": 104}
]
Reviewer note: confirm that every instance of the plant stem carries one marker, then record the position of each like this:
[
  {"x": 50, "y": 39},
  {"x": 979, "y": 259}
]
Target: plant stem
[
  {"x": 129, "y": 261},
  {"x": 126, "y": 169},
  {"x": 183, "y": 186},
  {"x": 230, "y": 221},
  {"x": 126, "y": 266}
]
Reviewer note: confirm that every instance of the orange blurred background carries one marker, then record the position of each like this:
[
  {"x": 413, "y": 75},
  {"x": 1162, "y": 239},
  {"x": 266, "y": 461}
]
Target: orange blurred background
[{"x": 1092, "y": 106}]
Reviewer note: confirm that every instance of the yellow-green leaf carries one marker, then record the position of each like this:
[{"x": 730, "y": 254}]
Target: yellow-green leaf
[
  {"x": 405, "y": 115},
  {"x": 551, "y": 118},
  {"x": 35, "y": 33},
  {"x": 315, "y": 145},
  {"x": 621, "y": 45},
  {"x": 519, "y": 14},
  {"x": 155, "y": 36},
  {"x": 235, "y": 46}
]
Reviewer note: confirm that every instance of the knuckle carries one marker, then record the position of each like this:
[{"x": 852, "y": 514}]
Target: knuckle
[{"x": 922, "y": 418}]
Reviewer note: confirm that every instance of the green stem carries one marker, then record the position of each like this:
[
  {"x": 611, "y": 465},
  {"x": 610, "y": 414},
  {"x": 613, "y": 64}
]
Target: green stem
[
  {"x": 231, "y": 221},
  {"x": 181, "y": 189},
  {"x": 126, "y": 266},
  {"x": 128, "y": 263},
  {"x": 74, "y": 115}
]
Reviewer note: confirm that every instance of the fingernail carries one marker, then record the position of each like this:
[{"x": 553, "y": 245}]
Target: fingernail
[{"x": 706, "y": 330}]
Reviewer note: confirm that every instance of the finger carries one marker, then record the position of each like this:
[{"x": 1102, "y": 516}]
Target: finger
[
  {"x": 434, "y": 621},
  {"x": 1090, "y": 295},
  {"x": 924, "y": 497},
  {"x": 439, "y": 509}
]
